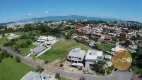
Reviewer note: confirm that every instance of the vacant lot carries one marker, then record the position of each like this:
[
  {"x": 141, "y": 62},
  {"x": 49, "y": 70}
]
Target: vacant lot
[
  {"x": 11, "y": 70},
  {"x": 61, "y": 49},
  {"x": 105, "y": 46}
]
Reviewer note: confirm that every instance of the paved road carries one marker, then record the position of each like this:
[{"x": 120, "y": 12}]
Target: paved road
[{"x": 116, "y": 75}]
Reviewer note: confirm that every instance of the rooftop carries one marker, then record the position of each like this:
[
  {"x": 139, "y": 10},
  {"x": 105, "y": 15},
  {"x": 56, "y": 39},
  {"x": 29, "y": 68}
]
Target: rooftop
[
  {"x": 94, "y": 55},
  {"x": 77, "y": 52}
]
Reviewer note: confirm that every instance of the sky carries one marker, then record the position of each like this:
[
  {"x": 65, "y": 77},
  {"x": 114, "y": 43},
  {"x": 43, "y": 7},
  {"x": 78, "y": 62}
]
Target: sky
[{"x": 13, "y": 10}]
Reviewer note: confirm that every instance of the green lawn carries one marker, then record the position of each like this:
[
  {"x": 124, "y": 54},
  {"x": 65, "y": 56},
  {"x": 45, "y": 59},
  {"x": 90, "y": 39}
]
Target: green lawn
[
  {"x": 25, "y": 51},
  {"x": 3, "y": 40},
  {"x": 61, "y": 49},
  {"x": 105, "y": 46},
  {"x": 11, "y": 70}
]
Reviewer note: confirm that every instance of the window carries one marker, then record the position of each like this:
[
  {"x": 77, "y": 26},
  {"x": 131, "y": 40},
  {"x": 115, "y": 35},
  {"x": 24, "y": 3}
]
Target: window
[
  {"x": 79, "y": 58},
  {"x": 69, "y": 56}
]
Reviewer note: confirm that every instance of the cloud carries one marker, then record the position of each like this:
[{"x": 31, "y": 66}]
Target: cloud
[
  {"x": 46, "y": 12},
  {"x": 29, "y": 14}
]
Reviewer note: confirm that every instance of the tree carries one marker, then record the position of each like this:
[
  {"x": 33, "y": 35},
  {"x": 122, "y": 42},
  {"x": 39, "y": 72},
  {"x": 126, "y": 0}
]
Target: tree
[
  {"x": 67, "y": 37},
  {"x": 23, "y": 45},
  {"x": 17, "y": 59},
  {"x": 127, "y": 43},
  {"x": 98, "y": 67},
  {"x": 24, "y": 37},
  {"x": 6, "y": 44},
  {"x": 122, "y": 37},
  {"x": 57, "y": 75},
  {"x": 28, "y": 42}
]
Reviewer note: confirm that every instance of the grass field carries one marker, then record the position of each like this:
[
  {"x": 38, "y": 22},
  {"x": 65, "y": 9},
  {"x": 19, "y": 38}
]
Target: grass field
[
  {"x": 3, "y": 40},
  {"x": 11, "y": 70},
  {"x": 61, "y": 49},
  {"x": 25, "y": 51},
  {"x": 105, "y": 46}
]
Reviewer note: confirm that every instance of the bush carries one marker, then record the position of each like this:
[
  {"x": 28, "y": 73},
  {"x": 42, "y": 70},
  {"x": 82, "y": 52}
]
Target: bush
[
  {"x": 6, "y": 54},
  {"x": 0, "y": 60},
  {"x": 2, "y": 55},
  {"x": 61, "y": 65},
  {"x": 23, "y": 45},
  {"x": 28, "y": 42},
  {"x": 46, "y": 61},
  {"x": 10, "y": 55},
  {"x": 39, "y": 69},
  {"x": 6, "y": 44},
  {"x": 57, "y": 75},
  {"x": 17, "y": 59},
  {"x": 24, "y": 37}
]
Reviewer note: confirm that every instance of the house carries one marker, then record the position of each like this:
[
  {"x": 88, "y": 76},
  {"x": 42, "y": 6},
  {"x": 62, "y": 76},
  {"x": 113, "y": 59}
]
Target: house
[
  {"x": 35, "y": 76},
  {"x": 76, "y": 55},
  {"x": 108, "y": 37},
  {"x": 91, "y": 57},
  {"x": 85, "y": 30},
  {"x": 84, "y": 37},
  {"x": 12, "y": 36},
  {"x": 74, "y": 35},
  {"x": 42, "y": 39},
  {"x": 37, "y": 50}
]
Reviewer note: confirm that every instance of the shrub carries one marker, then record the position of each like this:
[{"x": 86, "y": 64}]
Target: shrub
[
  {"x": 61, "y": 65},
  {"x": 17, "y": 59},
  {"x": 28, "y": 42},
  {"x": 0, "y": 60},
  {"x": 2, "y": 55},
  {"x": 6, "y": 54},
  {"x": 24, "y": 37},
  {"x": 10, "y": 55},
  {"x": 39, "y": 69},
  {"x": 57, "y": 75},
  {"x": 6, "y": 44},
  {"x": 46, "y": 61},
  {"x": 23, "y": 45}
]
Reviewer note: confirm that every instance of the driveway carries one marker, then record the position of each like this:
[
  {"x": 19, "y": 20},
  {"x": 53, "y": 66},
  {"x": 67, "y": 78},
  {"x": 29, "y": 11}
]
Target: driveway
[{"x": 116, "y": 75}]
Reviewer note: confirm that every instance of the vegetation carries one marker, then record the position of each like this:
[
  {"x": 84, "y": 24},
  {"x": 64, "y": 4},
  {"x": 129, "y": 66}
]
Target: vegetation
[
  {"x": 10, "y": 70},
  {"x": 57, "y": 75},
  {"x": 61, "y": 49},
  {"x": 39, "y": 69},
  {"x": 104, "y": 46},
  {"x": 98, "y": 67},
  {"x": 17, "y": 59}
]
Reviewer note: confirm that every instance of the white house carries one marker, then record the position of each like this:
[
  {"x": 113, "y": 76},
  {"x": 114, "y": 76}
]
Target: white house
[
  {"x": 44, "y": 40},
  {"x": 36, "y": 76},
  {"x": 12, "y": 36},
  {"x": 91, "y": 57},
  {"x": 76, "y": 56},
  {"x": 51, "y": 40}
]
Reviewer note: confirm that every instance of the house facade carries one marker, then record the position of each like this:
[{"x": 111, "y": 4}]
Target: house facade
[
  {"x": 76, "y": 55},
  {"x": 91, "y": 57}
]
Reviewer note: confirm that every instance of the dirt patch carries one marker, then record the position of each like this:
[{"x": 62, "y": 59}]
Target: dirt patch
[{"x": 55, "y": 63}]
